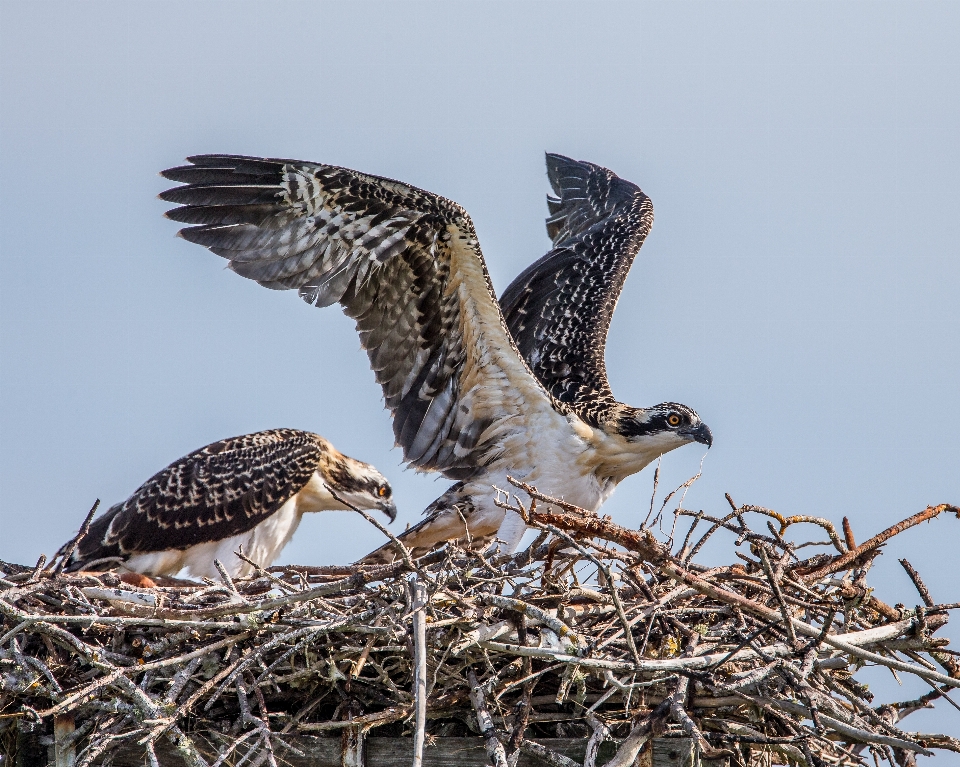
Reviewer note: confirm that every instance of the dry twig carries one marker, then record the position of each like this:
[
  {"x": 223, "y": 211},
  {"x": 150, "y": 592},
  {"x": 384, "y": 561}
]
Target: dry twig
[{"x": 171, "y": 669}]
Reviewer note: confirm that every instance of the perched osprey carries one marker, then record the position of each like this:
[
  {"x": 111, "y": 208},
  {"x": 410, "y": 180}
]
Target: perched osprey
[
  {"x": 247, "y": 493},
  {"x": 468, "y": 399}
]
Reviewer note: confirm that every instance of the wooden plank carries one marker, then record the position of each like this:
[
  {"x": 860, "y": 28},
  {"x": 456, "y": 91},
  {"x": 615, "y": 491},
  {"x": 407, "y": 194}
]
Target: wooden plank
[
  {"x": 63, "y": 728},
  {"x": 444, "y": 752},
  {"x": 723, "y": 762},
  {"x": 353, "y": 747},
  {"x": 681, "y": 752},
  {"x": 675, "y": 752},
  {"x": 30, "y": 752}
]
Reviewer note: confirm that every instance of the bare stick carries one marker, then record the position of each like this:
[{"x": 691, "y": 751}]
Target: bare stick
[
  {"x": 842, "y": 562},
  {"x": 72, "y": 546},
  {"x": 775, "y": 586},
  {"x": 641, "y": 542},
  {"x": 39, "y": 567},
  {"x": 804, "y": 628},
  {"x": 653, "y": 495},
  {"x": 227, "y": 580},
  {"x": 495, "y": 749},
  {"x": 848, "y": 535},
  {"x": 918, "y": 582},
  {"x": 133, "y": 665},
  {"x": 546, "y": 755},
  {"x": 418, "y": 604},
  {"x": 404, "y": 551},
  {"x": 394, "y": 714},
  {"x": 560, "y": 628},
  {"x": 641, "y": 732},
  {"x": 600, "y": 734}
]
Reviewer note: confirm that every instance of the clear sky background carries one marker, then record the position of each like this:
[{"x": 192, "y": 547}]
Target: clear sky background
[{"x": 799, "y": 288}]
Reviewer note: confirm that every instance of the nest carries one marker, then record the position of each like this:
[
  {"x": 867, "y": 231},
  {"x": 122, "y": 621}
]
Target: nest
[{"x": 595, "y": 631}]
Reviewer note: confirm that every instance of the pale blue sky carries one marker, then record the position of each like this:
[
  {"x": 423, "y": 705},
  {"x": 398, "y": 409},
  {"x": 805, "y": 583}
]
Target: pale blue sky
[{"x": 799, "y": 287}]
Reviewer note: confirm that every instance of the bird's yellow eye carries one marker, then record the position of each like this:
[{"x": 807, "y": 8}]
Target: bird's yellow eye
[
  {"x": 673, "y": 419},
  {"x": 382, "y": 491}
]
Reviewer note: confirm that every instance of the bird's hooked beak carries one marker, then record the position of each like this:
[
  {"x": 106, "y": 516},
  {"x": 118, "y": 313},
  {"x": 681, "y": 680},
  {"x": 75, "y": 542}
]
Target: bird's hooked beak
[
  {"x": 389, "y": 508},
  {"x": 699, "y": 433}
]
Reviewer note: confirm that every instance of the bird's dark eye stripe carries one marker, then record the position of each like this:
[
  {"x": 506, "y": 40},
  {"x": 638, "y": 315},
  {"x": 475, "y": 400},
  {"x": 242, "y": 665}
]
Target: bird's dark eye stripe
[{"x": 378, "y": 490}]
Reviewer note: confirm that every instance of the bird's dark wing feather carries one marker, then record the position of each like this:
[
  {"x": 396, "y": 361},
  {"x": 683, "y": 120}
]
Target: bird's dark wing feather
[
  {"x": 221, "y": 490},
  {"x": 404, "y": 263},
  {"x": 559, "y": 309}
]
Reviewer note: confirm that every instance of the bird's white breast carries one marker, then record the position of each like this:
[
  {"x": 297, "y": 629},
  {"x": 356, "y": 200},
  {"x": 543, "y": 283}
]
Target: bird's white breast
[
  {"x": 554, "y": 454},
  {"x": 261, "y": 544}
]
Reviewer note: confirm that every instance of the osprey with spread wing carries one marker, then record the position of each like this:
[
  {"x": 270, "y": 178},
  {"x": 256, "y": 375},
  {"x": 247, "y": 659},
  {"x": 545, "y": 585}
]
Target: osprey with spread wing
[{"x": 470, "y": 397}]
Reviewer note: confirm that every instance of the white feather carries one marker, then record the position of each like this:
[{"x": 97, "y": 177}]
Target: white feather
[{"x": 262, "y": 544}]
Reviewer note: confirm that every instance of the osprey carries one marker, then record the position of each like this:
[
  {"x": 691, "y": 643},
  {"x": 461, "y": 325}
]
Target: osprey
[
  {"x": 247, "y": 493},
  {"x": 469, "y": 399}
]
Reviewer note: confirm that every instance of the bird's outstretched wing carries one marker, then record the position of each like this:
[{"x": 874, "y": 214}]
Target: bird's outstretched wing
[
  {"x": 404, "y": 263},
  {"x": 221, "y": 490},
  {"x": 559, "y": 309}
]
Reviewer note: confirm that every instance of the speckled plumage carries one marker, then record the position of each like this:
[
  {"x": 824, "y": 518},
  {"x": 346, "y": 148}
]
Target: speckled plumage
[
  {"x": 559, "y": 309},
  {"x": 406, "y": 265},
  {"x": 386, "y": 252},
  {"x": 224, "y": 490}
]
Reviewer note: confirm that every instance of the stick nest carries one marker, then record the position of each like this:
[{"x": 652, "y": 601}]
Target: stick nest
[{"x": 594, "y": 631}]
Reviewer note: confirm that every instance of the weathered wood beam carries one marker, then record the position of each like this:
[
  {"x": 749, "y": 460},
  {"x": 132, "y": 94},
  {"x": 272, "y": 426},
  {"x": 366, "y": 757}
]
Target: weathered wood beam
[{"x": 445, "y": 752}]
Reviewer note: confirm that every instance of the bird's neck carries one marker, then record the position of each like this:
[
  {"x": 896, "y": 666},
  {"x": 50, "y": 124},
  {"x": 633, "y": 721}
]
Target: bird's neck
[
  {"x": 611, "y": 456},
  {"x": 616, "y": 459}
]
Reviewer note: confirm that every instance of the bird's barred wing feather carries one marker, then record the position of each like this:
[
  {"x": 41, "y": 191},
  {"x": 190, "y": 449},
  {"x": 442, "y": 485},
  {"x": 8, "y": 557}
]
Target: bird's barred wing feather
[
  {"x": 221, "y": 490},
  {"x": 404, "y": 263},
  {"x": 559, "y": 309}
]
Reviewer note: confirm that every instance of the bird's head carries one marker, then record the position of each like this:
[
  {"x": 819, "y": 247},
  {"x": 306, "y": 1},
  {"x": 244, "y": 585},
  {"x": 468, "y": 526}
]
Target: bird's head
[
  {"x": 360, "y": 484},
  {"x": 663, "y": 427}
]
